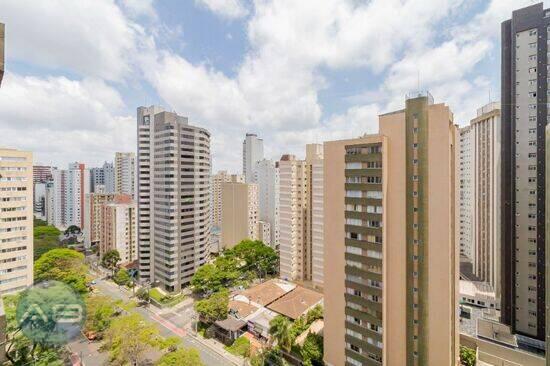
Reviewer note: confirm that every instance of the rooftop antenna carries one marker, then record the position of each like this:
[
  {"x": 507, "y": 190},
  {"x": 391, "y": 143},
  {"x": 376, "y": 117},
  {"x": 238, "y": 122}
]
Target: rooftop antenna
[{"x": 418, "y": 78}]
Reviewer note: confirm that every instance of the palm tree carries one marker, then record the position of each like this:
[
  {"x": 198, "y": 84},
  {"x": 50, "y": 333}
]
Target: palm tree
[{"x": 279, "y": 328}]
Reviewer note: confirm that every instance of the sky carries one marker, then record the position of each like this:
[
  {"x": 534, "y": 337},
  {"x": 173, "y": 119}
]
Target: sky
[{"x": 293, "y": 72}]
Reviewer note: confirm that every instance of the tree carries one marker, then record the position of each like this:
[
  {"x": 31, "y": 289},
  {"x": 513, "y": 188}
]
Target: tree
[
  {"x": 64, "y": 265},
  {"x": 110, "y": 260},
  {"x": 143, "y": 294},
  {"x": 22, "y": 351},
  {"x": 314, "y": 314},
  {"x": 213, "y": 308},
  {"x": 129, "y": 338},
  {"x": 256, "y": 255},
  {"x": 312, "y": 350},
  {"x": 268, "y": 357},
  {"x": 99, "y": 313},
  {"x": 46, "y": 238},
  {"x": 240, "y": 347},
  {"x": 280, "y": 330},
  {"x": 122, "y": 277},
  {"x": 73, "y": 230},
  {"x": 467, "y": 356},
  {"x": 181, "y": 357}
]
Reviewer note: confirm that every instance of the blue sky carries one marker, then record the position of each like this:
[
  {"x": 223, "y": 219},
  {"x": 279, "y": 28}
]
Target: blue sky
[{"x": 295, "y": 72}]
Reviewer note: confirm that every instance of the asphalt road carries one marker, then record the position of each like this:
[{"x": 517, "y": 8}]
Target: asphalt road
[{"x": 171, "y": 324}]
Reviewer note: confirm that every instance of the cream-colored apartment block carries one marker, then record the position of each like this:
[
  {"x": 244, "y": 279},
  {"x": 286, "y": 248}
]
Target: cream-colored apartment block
[
  {"x": 125, "y": 173},
  {"x": 118, "y": 228},
  {"x": 391, "y": 263},
  {"x": 239, "y": 213},
  {"x": 301, "y": 216},
  {"x": 16, "y": 220},
  {"x": 216, "y": 194}
]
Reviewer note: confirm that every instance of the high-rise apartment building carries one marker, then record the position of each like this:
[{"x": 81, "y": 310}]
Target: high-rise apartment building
[
  {"x": 239, "y": 213},
  {"x": 266, "y": 176},
  {"x": 293, "y": 206},
  {"x": 173, "y": 197},
  {"x": 465, "y": 191},
  {"x": 314, "y": 159},
  {"x": 69, "y": 191},
  {"x": 479, "y": 200},
  {"x": 97, "y": 179},
  {"x": 264, "y": 233},
  {"x": 49, "y": 209},
  {"x": 42, "y": 173},
  {"x": 391, "y": 289},
  {"x": 125, "y": 172},
  {"x": 216, "y": 194},
  {"x": 118, "y": 228},
  {"x": 16, "y": 220},
  {"x": 253, "y": 151},
  {"x": 524, "y": 98},
  {"x": 93, "y": 216},
  {"x": 109, "y": 177},
  {"x": 300, "y": 214},
  {"x": 103, "y": 178},
  {"x": 39, "y": 204}
]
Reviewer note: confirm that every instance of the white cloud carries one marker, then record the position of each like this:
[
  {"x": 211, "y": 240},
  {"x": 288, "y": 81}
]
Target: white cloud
[
  {"x": 63, "y": 120},
  {"x": 230, "y": 9},
  {"x": 138, "y": 8},
  {"x": 274, "y": 91},
  {"x": 89, "y": 37}
]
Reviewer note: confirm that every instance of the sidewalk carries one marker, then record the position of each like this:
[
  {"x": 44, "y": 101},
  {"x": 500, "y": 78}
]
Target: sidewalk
[{"x": 217, "y": 347}]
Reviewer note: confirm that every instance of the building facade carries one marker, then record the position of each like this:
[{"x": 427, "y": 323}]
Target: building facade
[
  {"x": 173, "y": 197},
  {"x": 118, "y": 228},
  {"x": 216, "y": 194},
  {"x": 253, "y": 151},
  {"x": 125, "y": 173},
  {"x": 389, "y": 231},
  {"x": 301, "y": 216},
  {"x": 42, "y": 173},
  {"x": 239, "y": 213},
  {"x": 466, "y": 188},
  {"x": 16, "y": 220},
  {"x": 314, "y": 159},
  {"x": 93, "y": 216},
  {"x": 264, "y": 232},
  {"x": 39, "y": 204},
  {"x": 266, "y": 176},
  {"x": 69, "y": 189},
  {"x": 486, "y": 174},
  {"x": 524, "y": 89},
  {"x": 293, "y": 206}
]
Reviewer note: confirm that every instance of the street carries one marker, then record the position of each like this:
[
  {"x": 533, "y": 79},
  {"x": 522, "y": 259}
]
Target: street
[{"x": 175, "y": 323}]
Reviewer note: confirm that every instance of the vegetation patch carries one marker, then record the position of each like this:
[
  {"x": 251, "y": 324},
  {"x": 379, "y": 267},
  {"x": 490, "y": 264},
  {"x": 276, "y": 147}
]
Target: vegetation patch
[{"x": 240, "y": 347}]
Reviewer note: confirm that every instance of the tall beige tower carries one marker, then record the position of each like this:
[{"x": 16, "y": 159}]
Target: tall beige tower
[
  {"x": 16, "y": 220},
  {"x": 239, "y": 212},
  {"x": 216, "y": 194},
  {"x": 125, "y": 173},
  {"x": 480, "y": 169},
  {"x": 118, "y": 228},
  {"x": 301, "y": 216},
  {"x": 389, "y": 232},
  {"x": 173, "y": 197}
]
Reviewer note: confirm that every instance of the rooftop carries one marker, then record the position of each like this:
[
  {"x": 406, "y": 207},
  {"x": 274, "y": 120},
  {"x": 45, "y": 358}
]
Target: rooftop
[
  {"x": 296, "y": 302},
  {"x": 230, "y": 324},
  {"x": 241, "y": 308},
  {"x": 267, "y": 292}
]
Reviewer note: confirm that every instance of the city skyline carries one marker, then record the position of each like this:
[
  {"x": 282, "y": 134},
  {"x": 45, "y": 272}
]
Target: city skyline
[{"x": 339, "y": 93}]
